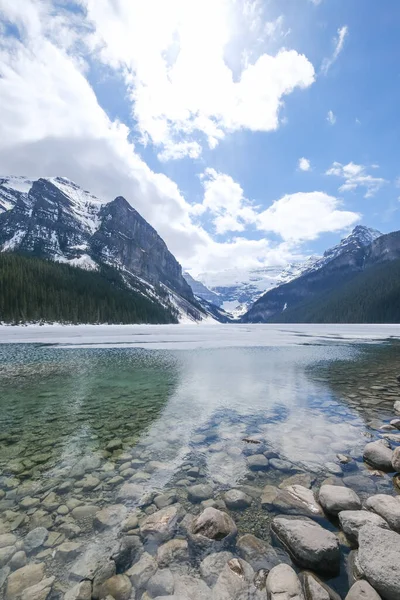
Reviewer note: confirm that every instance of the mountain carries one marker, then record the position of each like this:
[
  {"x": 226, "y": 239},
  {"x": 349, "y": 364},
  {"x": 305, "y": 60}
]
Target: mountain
[
  {"x": 338, "y": 266},
  {"x": 53, "y": 218},
  {"x": 238, "y": 289},
  {"x": 201, "y": 291}
]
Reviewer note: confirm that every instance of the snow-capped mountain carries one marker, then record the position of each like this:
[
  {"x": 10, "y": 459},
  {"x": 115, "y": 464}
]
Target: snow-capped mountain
[
  {"x": 318, "y": 276},
  {"x": 54, "y": 218}
]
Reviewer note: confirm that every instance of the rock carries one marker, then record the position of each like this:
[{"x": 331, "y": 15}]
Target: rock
[
  {"x": 70, "y": 530},
  {"x": 311, "y": 546},
  {"x": 351, "y": 522},
  {"x": 87, "y": 463},
  {"x": 84, "y": 512},
  {"x": 396, "y": 459},
  {"x": 164, "y": 500},
  {"x": 315, "y": 589},
  {"x": 283, "y": 584},
  {"x": 342, "y": 458},
  {"x": 234, "y": 581},
  {"x": 294, "y": 499},
  {"x": 142, "y": 571},
  {"x": 100, "y": 575},
  {"x": 81, "y": 591},
  {"x": 41, "y": 518},
  {"x": 379, "y": 559},
  {"x": 110, "y": 517},
  {"x": 131, "y": 522},
  {"x": 256, "y": 552},
  {"x": 68, "y": 550},
  {"x": 387, "y": 507},
  {"x": 130, "y": 491},
  {"x": 379, "y": 455},
  {"x": 35, "y": 538},
  {"x": 18, "y": 560},
  {"x": 162, "y": 524},
  {"x": 396, "y": 406},
  {"x": 6, "y": 554},
  {"x": 24, "y": 578},
  {"x": 174, "y": 551},
  {"x": 303, "y": 479},
  {"x": 200, "y": 492},
  {"x": 90, "y": 483},
  {"x": 40, "y": 591},
  {"x": 161, "y": 584},
  {"x": 237, "y": 500},
  {"x": 334, "y": 499},
  {"x": 395, "y": 423},
  {"x": 128, "y": 551},
  {"x": 257, "y": 462},
  {"x": 4, "y": 573},
  {"x": 214, "y": 525},
  {"x": 281, "y": 465},
  {"x": 212, "y": 565},
  {"x": 54, "y": 539},
  {"x": 7, "y": 539},
  {"x": 114, "y": 445},
  {"x": 190, "y": 587},
  {"x": 118, "y": 586},
  {"x": 361, "y": 590}
]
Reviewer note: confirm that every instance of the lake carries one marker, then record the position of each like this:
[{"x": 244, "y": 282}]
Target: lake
[{"x": 93, "y": 417}]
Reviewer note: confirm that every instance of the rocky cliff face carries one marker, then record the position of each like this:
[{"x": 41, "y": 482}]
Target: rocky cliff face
[
  {"x": 54, "y": 218},
  {"x": 338, "y": 265}
]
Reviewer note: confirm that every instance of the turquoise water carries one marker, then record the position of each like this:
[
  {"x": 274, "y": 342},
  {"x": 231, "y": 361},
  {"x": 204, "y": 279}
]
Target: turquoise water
[{"x": 171, "y": 410}]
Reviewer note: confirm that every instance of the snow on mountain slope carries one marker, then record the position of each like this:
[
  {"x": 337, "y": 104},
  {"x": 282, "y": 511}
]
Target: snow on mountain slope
[{"x": 11, "y": 190}]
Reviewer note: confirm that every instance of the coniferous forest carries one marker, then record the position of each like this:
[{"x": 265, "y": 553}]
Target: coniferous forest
[
  {"x": 372, "y": 296},
  {"x": 34, "y": 290}
]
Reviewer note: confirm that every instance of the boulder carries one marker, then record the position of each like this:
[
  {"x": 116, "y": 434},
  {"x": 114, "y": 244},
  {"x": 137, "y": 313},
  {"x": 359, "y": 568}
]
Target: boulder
[
  {"x": 142, "y": 571},
  {"x": 80, "y": 591},
  {"x": 311, "y": 546},
  {"x": 379, "y": 559},
  {"x": 110, "y": 517},
  {"x": 256, "y": 552},
  {"x": 361, "y": 590},
  {"x": 174, "y": 551},
  {"x": 234, "y": 581},
  {"x": 351, "y": 522},
  {"x": 40, "y": 591},
  {"x": 334, "y": 499},
  {"x": 214, "y": 524},
  {"x": 161, "y": 525},
  {"x": 283, "y": 584},
  {"x": 212, "y": 565},
  {"x": 388, "y": 507},
  {"x": 257, "y": 462},
  {"x": 198, "y": 493},
  {"x": 379, "y": 455},
  {"x": 315, "y": 589},
  {"x": 35, "y": 538},
  {"x": 118, "y": 587},
  {"x": 161, "y": 584},
  {"x": 190, "y": 587},
  {"x": 24, "y": 578},
  {"x": 396, "y": 460},
  {"x": 237, "y": 500}
]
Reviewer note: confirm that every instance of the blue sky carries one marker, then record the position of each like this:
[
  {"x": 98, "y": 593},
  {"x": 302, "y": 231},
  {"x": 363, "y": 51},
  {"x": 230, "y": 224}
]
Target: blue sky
[{"x": 200, "y": 113}]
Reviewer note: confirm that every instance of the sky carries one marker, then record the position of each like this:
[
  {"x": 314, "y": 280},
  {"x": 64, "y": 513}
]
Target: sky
[{"x": 249, "y": 133}]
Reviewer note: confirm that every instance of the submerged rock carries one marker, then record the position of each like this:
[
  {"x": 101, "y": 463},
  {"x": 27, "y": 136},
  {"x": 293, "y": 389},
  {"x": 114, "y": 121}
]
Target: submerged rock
[
  {"x": 234, "y": 581},
  {"x": 110, "y": 517},
  {"x": 379, "y": 559},
  {"x": 162, "y": 524},
  {"x": 214, "y": 525},
  {"x": 212, "y": 565},
  {"x": 256, "y": 552},
  {"x": 174, "y": 551},
  {"x": 23, "y": 578},
  {"x": 257, "y": 462},
  {"x": 200, "y": 492},
  {"x": 379, "y": 455},
  {"x": 311, "y": 546},
  {"x": 334, "y": 499},
  {"x": 237, "y": 500},
  {"x": 142, "y": 571},
  {"x": 118, "y": 587}
]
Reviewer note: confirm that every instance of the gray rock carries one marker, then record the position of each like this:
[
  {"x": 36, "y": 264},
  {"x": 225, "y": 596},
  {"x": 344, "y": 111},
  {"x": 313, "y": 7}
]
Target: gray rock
[
  {"x": 214, "y": 525},
  {"x": 379, "y": 455},
  {"x": 40, "y": 591},
  {"x": 395, "y": 423},
  {"x": 4, "y": 573},
  {"x": 388, "y": 507},
  {"x": 130, "y": 491},
  {"x": 351, "y": 522},
  {"x": 303, "y": 479},
  {"x": 118, "y": 587},
  {"x": 315, "y": 589},
  {"x": 18, "y": 560},
  {"x": 334, "y": 499},
  {"x": 234, "y": 581},
  {"x": 311, "y": 546},
  {"x": 200, "y": 492},
  {"x": 361, "y": 590},
  {"x": 6, "y": 554},
  {"x": 212, "y": 565},
  {"x": 101, "y": 574},
  {"x": 7, "y": 539},
  {"x": 142, "y": 571},
  {"x": 87, "y": 511},
  {"x": 256, "y": 552},
  {"x": 35, "y": 538},
  {"x": 396, "y": 459},
  {"x": 190, "y": 587},
  {"x": 281, "y": 465},
  {"x": 237, "y": 500},
  {"x": 128, "y": 551},
  {"x": 174, "y": 551},
  {"x": 164, "y": 500},
  {"x": 23, "y": 578},
  {"x": 396, "y": 406},
  {"x": 379, "y": 559},
  {"x": 68, "y": 550},
  {"x": 283, "y": 584},
  {"x": 162, "y": 524},
  {"x": 294, "y": 499},
  {"x": 114, "y": 445},
  {"x": 257, "y": 462},
  {"x": 87, "y": 463},
  {"x": 110, "y": 516},
  {"x": 81, "y": 591},
  {"x": 161, "y": 584}
]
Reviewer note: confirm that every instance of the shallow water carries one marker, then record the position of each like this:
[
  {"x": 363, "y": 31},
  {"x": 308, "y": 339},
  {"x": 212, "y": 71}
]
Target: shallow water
[{"x": 178, "y": 409}]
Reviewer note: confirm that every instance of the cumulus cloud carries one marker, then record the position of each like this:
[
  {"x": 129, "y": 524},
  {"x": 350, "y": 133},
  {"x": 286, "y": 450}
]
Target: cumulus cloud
[
  {"x": 356, "y": 176},
  {"x": 342, "y": 33},
  {"x": 181, "y": 85},
  {"x": 331, "y": 117},
  {"x": 305, "y": 215},
  {"x": 304, "y": 164}
]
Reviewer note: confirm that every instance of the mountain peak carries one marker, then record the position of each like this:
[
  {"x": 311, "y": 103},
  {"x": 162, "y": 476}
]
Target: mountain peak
[{"x": 366, "y": 235}]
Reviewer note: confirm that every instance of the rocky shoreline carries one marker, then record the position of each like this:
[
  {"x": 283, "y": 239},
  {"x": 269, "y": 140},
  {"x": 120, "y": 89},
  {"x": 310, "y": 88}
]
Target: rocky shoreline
[{"x": 97, "y": 530}]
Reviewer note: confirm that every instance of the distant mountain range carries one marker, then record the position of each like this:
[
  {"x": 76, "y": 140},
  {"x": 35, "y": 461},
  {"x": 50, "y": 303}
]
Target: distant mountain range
[{"x": 135, "y": 278}]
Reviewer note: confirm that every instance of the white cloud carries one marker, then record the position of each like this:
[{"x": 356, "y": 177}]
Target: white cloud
[
  {"x": 185, "y": 86},
  {"x": 304, "y": 164},
  {"x": 331, "y": 117},
  {"x": 305, "y": 215},
  {"x": 342, "y": 33},
  {"x": 355, "y": 177}
]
